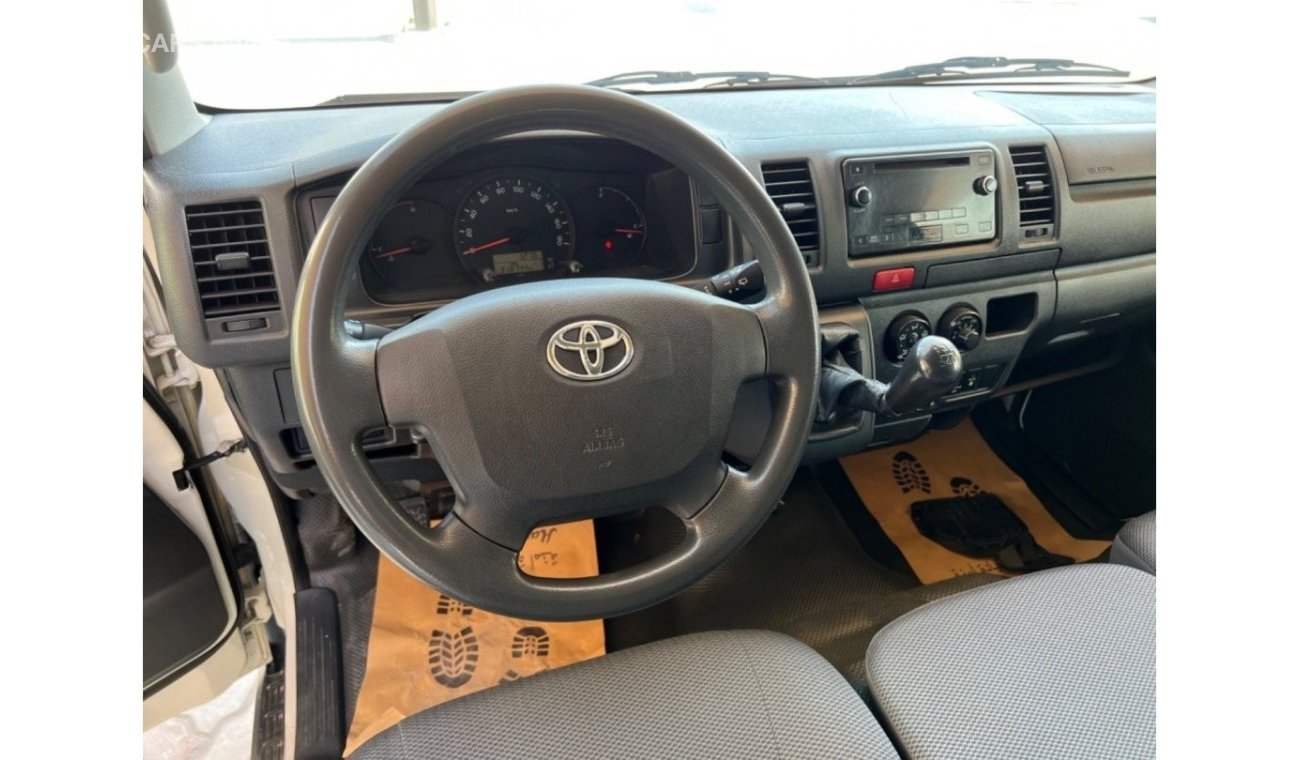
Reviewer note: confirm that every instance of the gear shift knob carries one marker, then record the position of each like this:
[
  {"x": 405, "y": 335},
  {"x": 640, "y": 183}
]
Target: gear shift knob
[{"x": 929, "y": 370}]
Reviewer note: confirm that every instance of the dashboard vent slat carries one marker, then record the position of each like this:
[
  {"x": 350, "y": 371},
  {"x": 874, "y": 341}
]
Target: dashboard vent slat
[
  {"x": 1035, "y": 190},
  {"x": 789, "y": 184},
  {"x": 231, "y": 257}
]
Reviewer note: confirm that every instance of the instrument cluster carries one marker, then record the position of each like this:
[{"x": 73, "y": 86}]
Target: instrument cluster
[{"x": 493, "y": 225}]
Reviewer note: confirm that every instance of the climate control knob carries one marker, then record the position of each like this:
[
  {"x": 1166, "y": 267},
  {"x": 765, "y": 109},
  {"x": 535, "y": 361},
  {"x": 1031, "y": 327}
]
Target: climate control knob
[
  {"x": 962, "y": 325},
  {"x": 903, "y": 333}
]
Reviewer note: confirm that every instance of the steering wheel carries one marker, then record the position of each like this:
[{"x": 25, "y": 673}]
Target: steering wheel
[{"x": 555, "y": 401}]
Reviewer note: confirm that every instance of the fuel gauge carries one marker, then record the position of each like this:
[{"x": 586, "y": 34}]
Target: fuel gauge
[{"x": 611, "y": 228}]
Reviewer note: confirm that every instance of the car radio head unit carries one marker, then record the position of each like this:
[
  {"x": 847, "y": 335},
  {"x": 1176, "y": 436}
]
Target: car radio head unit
[{"x": 902, "y": 202}]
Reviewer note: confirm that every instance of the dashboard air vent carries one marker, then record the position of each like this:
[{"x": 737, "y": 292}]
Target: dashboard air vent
[
  {"x": 790, "y": 186},
  {"x": 232, "y": 262},
  {"x": 1035, "y": 190}
]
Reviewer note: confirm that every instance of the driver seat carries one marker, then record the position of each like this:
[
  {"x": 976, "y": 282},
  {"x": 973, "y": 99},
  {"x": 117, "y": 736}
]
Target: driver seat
[{"x": 752, "y": 694}]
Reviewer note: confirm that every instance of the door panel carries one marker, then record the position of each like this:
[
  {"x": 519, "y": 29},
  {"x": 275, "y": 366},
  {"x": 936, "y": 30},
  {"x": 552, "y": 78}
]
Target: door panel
[
  {"x": 184, "y": 611},
  {"x": 189, "y": 604}
]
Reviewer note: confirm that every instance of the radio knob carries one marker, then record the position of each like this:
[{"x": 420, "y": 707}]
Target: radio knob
[
  {"x": 986, "y": 185},
  {"x": 860, "y": 196}
]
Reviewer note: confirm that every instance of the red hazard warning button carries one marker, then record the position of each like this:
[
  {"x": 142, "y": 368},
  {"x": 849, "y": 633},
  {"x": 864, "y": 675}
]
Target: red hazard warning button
[{"x": 894, "y": 279}]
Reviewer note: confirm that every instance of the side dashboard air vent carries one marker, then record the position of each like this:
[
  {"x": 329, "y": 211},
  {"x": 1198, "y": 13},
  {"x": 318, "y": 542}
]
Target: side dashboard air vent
[
  {"x": 232, "y": 262},
  {"x": 790, "y": 185},
  {"x": 1036, "y": 192}
]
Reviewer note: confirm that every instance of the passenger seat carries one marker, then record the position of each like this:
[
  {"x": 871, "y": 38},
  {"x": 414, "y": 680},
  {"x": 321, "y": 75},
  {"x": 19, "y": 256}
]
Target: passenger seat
[
  {"x": 1056, "y": 664},
  {"x": 1135, "y": 545}
]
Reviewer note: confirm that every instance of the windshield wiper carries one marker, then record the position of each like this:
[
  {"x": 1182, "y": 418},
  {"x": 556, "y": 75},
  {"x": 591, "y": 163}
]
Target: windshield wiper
[
  {"x": 969, "y": 67},
  {"x": 986, "y": 67},
  {"x": 724, "y": 78}
]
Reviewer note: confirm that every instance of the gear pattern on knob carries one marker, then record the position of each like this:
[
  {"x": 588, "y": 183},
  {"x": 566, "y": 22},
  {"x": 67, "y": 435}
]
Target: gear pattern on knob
[{"x": 928, "y": 371}]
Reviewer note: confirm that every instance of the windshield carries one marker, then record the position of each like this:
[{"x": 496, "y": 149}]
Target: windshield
[{"x": 250, "y": 54}]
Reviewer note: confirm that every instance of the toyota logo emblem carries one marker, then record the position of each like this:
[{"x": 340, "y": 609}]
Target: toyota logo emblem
[{"x": 589, "y": 350}]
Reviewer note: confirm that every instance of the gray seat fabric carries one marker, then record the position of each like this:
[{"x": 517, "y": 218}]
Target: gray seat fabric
[
  {"x": 1135, "y": 545},
  {"x": 749, "y": 694},
  {"x": 1057, "y": 664}
]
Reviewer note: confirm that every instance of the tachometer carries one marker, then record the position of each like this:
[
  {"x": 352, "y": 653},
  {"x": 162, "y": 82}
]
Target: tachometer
[
  {"x": 403, "y": 260},
  {"x": 513, "y": 227}
]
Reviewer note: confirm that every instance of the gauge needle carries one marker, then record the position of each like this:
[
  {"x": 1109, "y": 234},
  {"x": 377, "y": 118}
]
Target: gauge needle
[
  {"x": 485, "y": 246},
  {"x": 394, "y": 252},
  {"x": 629, "y": 231}
]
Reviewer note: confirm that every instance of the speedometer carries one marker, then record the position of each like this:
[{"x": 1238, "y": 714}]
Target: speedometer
[{"x": 513, "y": 227}]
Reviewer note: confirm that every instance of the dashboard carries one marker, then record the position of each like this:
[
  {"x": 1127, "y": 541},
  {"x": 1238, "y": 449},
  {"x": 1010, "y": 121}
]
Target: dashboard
[
  {"x": 522, "y": 211},
  {"x": 1017, "y": 220}
]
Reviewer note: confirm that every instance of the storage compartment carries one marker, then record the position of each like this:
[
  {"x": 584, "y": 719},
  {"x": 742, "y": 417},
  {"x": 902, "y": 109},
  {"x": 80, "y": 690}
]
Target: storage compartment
[
  {"x": 993, "y": 267},
  {"x": 1101, "y": 298},
  {"x": 1059, "y": 363},
  {"x": 1010, "y": 314}
]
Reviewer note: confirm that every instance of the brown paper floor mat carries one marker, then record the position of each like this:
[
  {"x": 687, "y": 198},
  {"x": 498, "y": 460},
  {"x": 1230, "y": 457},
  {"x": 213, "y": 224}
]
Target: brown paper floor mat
[
  {"x": 944, "y": 464},
  {"x": 427, "y": 648}
]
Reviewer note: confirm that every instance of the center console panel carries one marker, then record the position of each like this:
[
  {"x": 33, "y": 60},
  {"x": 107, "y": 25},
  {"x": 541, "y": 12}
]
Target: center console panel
[{"x": 990, "y": 322}]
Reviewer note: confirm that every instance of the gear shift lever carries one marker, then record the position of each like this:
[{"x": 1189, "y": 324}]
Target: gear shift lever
[{"x": 929, "y": 370}]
